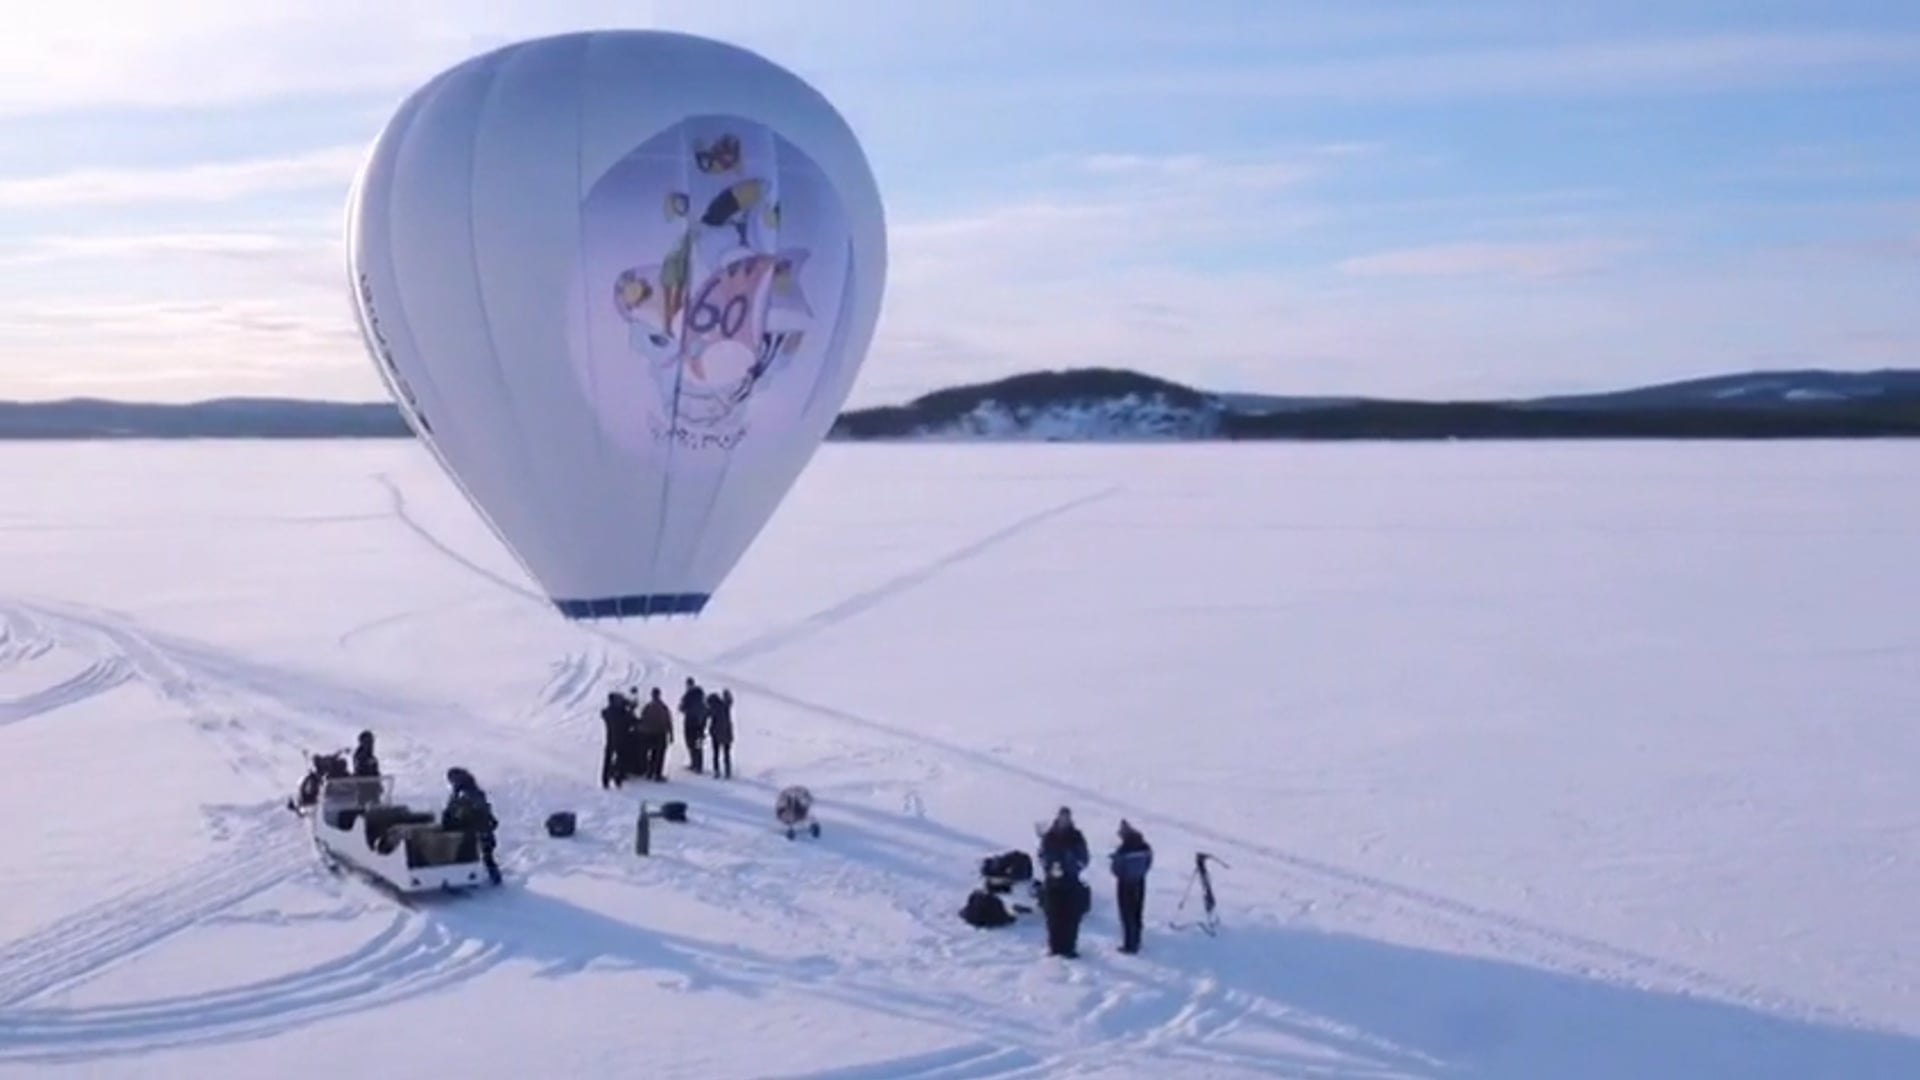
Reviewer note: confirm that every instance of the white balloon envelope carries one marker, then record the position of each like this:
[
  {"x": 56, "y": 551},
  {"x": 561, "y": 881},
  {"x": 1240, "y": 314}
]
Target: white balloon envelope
[{"x": 620, "y": 284}]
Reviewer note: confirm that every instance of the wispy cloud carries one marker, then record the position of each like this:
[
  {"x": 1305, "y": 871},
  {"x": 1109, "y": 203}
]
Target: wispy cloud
[
  {"x": 1702, "y": 63},
  {"x": 120, "y": 53},
  {"x": 180, "y": 314},
  {"x": 247, "y": 246},
  {"x": 1091, "y": 213},
  {"x": 1275, "y": 195},
  {"x": 127, "y": 53},
  {"x": 324, "y": 169},
  {"x": 1540, "y": 260},
  {"x": 176, "y": 350},
  {"x": 1045, "y": 283}
]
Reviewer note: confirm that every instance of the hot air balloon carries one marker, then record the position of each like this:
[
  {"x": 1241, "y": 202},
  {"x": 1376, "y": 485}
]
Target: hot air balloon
[{"x": 620, "y": 284}]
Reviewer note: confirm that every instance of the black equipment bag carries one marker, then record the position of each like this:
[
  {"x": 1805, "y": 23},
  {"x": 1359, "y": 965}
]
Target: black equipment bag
[
  {"x": 560, "y": 823},
  {"x": 984, "y": 910},
  {"x": 1007, "y": 867}
]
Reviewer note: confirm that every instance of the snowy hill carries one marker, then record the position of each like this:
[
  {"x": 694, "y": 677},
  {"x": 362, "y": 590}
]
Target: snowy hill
[
  {"x": 1518, "y": 762},
  {"x": 1095, "y": 404},
  {"x": 1106, "y": 405}
]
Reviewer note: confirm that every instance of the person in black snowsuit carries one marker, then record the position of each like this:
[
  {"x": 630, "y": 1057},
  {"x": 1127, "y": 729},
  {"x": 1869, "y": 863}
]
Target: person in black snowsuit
[
  {"x": 617, "y": 759},
  {"x": 1129, "y": 864},
  {"x": 364, "y": 763},
  {"x": 468, "y": 812},
  {"x": 1064, "y": 898},
  {"x": 720, "y": 730},
  {"x": 655, "y": 733},
  {"x": 693, "y": 712},
  {"x": 1065, "y": 845}
]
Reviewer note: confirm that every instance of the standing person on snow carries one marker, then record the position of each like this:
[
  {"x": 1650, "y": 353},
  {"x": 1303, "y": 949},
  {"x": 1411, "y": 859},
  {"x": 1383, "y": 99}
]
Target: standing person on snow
[
  {"x": 693, "y": 710},
  {"x": 617, "y": 761},
  {"x": 656, "y": 729},
  {"x": 1064, "y": 898},
  {"x": 1064, "y": 845},
  {"x": 468, "y": 812},
  {"x": 1129, "y": 863},
  {"x": 720, "y": 729},
  {"x": 364, "y": 763},
  {"x": 633, "y": 750}
]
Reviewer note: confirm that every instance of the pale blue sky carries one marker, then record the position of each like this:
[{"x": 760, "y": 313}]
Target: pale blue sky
[{"x": 1425, "y": 199}]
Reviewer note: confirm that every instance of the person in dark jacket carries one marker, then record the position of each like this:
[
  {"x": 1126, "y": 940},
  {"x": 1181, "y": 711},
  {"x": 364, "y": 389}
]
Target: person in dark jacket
[
  {"x": 633, "y": 749},
  {"x": 1064, "y": 898},
  {"x": 693, "y": 714},
  {"x": 1064, "y": 846},
  {"x": 617, "y": 760},
  {"x": 364, "y": 761},
  {"x": 1129, "y": 863},
  {"x": 656, "y": 729},
  {"x": 469, "y": 812},
  {"x": 720, "y": 730}
]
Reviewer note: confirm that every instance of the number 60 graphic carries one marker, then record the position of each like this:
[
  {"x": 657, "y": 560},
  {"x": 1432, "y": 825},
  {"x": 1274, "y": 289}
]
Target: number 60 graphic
[{"x": 729, "y": 318}]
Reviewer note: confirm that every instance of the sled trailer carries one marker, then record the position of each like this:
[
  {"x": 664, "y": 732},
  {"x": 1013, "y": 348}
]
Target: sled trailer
[{"x": 358, "y": 824}]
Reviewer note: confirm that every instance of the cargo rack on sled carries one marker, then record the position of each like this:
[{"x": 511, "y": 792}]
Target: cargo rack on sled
[{"x": 355, "y": 822}]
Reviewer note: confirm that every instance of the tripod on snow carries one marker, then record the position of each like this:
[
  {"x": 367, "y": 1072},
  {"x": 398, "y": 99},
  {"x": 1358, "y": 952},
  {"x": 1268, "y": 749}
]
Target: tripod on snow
[{"x": 1210, "y": 921}]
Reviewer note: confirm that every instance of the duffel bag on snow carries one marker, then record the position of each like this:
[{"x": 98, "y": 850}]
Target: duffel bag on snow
[
  {"x": 560, "y": 824},
  {"x": 985, "y": 911},
  {"x": 1007, "y": 866}
]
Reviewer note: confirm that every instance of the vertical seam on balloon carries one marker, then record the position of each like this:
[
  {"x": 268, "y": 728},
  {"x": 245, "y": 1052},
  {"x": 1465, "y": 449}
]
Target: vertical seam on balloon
[
  {"x": 826, "y": 368},
  {"x": 480, "y": 290},
  {"x": 726, "y": 468},
  {"x": 586, "y": 280},
  {"x": 401, "y": 131},
  {"x": 652, "y": 592},
  {"x": 384, "y": 251}
]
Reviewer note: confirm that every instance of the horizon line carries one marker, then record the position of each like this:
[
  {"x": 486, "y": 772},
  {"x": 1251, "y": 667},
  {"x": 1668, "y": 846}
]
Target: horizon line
[{"x": 1627, "y": 388}]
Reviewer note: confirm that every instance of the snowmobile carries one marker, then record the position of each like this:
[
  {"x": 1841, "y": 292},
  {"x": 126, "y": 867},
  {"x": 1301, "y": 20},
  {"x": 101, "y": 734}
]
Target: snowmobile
[
  {"x": 325, "y": 767},
  {"x": 794, "y": 808},
  {"x": 357, "y": 824}
]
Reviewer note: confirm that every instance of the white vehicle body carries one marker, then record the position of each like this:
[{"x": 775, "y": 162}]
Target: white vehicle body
[{"x": 356, "y": 822}]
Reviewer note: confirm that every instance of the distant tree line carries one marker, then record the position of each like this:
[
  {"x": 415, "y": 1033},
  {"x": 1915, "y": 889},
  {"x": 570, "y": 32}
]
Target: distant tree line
[
  {"x": 1795, "y": 405},
  {"x": 1414, "y": 420}
]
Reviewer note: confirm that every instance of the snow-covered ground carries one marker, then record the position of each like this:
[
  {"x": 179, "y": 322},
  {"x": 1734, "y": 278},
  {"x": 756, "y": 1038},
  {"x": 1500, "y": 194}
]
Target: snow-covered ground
[{"x": 1524, "y": 761}]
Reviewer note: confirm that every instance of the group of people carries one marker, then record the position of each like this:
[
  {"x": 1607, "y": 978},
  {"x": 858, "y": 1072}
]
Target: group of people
[
  {"x": 636, "y": 746},
  {"x": 1065, "y": 898},
  {"x": 638, "y": 735}
]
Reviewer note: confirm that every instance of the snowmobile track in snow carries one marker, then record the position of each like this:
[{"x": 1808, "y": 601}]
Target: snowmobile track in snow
[
  {"x": 1342, "y": 891},
  {"x": 1458, "y": 921},
  {"x": 867, "y": 599},
  {"x": 217, "y": 701},
  {"x": 226, "y": 699},
  {"x": 20, "y": 638},
  {"x": 574, "y": 687},
  {"x": 408, "y": 957},
  {"x": 96, "y": 678},
  {"x": 99, "y": 936},
  {"x": 266, "y": 717}
]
